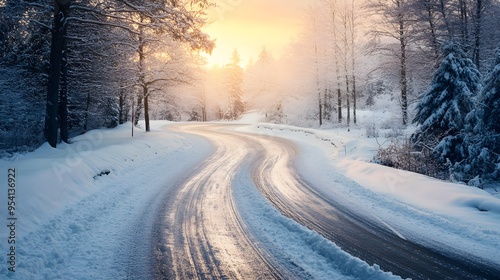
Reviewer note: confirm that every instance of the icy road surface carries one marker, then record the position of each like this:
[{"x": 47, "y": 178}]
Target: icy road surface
[{"x": 206, "y": 237}]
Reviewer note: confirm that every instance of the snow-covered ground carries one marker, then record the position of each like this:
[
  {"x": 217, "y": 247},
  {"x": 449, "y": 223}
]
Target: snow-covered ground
[
  {"x": 426, "y": 210},
  {"x": 79, "y": 206}
]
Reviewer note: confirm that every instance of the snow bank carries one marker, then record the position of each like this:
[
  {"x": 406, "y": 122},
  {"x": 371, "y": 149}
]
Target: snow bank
[
  {"x": 50, "y": 179},
  {"x": 445, "y": 198}
]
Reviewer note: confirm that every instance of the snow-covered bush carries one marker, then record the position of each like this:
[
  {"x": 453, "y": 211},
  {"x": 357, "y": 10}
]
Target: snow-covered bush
[{"x": 401, "y": 154}]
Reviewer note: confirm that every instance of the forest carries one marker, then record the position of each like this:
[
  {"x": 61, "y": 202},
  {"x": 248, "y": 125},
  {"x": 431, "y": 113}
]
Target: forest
[{"x": 70, "y": 66}]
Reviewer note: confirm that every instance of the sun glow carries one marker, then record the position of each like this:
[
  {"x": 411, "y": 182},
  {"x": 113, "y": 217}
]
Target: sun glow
[{"x": 249, "y": 26}]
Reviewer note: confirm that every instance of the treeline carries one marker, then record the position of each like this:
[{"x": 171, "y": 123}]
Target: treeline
[
  {"x": 446, "y": 56},
  {"x": 420, "y": 28},
  {"x": 352, "y": 53},
  {"x": 70, "y": 66},
  {"x": 433, "y": 61}
]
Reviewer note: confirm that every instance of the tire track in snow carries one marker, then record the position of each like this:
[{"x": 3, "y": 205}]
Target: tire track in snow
[{"x": 202, "y": 236}]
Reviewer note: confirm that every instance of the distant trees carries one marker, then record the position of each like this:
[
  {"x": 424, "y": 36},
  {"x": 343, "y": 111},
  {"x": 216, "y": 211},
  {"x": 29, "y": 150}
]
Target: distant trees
[
  {"x": 421, "y": 27},
  {"x": 261, "y": 87},
  {"x": 234, "y": 86},
  {"x": 225, "y": 85},
  {"x": 325, "y": 57}
]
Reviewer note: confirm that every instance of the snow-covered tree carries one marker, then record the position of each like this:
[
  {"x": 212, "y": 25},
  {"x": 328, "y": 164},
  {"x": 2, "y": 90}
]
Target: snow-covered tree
[
  {"x": 443, "y": 107},
  {"x": 260, "y": 84},
  {"x": 24, "y": 57},
  {"x": 235, "y": 83},
  {"x": 482, "y": 137}
]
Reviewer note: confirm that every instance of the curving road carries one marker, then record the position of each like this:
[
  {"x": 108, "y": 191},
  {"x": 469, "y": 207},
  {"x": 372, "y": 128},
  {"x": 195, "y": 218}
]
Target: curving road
[{"x": 202, "y": 236}]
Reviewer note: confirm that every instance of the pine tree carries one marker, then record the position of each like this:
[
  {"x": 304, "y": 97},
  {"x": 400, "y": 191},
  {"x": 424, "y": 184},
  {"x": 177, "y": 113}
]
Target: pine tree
[
  {"x": 443, "y": 107},
  {"x": 235, "y": 80},
  {"x": 482, "y": 139}
]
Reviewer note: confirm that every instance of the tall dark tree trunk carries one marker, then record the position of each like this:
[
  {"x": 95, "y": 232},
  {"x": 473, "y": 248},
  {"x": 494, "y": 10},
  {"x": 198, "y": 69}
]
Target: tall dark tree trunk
[
  {"x": 354, "y": 97},
  {"x": 61, "y": 8},
  {"x": 403, "y": 79},
  {"x": 86, "y": 118},
  {"x": 442, "y": 11},
  {"x": 346, "y": 71},
  {"x": 337, "y": 69},
  {"x": 123, "y": 109},
  {"x": 142, "y": 80},
  {"x": 138, "y": 108},
  {"x": 146, "y": 108},
  {"x": 63, "y": 94},
  {"x": 404, "y": 83},
  {"x": 432, "y": 26},
  {"x": 348, "y": 100},
  {"x": 464, "y": 23},
  {"x": 477, "y": 33}
]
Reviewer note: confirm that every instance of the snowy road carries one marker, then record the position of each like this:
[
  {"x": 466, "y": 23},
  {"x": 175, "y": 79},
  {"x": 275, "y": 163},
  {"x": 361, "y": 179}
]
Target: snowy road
[
  {"x": 206, "y": 237},
  {"x": 202, "y": 235}
]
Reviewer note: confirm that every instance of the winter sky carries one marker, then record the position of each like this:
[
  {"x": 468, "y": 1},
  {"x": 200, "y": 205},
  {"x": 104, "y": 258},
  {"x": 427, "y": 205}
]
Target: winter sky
[{"x": 250, "y": 25}]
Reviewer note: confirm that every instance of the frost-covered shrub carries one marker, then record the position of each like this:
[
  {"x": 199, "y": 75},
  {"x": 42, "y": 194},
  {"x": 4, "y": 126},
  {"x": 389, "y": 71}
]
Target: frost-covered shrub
[{"x": 402, "y": 155}]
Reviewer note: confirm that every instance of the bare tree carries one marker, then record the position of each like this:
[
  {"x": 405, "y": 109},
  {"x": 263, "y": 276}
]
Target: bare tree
[{"x": 394, "y": 18}]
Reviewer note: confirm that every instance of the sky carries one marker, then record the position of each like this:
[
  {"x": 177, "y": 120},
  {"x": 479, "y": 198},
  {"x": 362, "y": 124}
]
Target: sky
[{"x": 251, "y": 25}]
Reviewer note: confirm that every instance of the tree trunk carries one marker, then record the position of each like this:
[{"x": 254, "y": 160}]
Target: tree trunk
[
  {"x": 464, "y": 23},
  {"x": 477, "y": 33},
  {"x": 403, "y": 80},
  {"x": 442, "y": 10},
  {"x": 337, "y": 69},
  {"x": 346, "y": 70},
  {"x": 432, "y": 26},
  {"x": 348, "y": 100},
  {"x": 63, "y": 94},
  {"x": 121, "y": 108},
  {"x": 142, "y": 80},
  {"x": 317, "y": 86},
  {"x": 146, "y": 108},
  {"x": 56, "y": 50},
  {"x": 353, "y": 63},
  {"x": 138, "y": 108},
  {"x": 354, "y": 101},
  {"x": 86, "y": 118}
]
